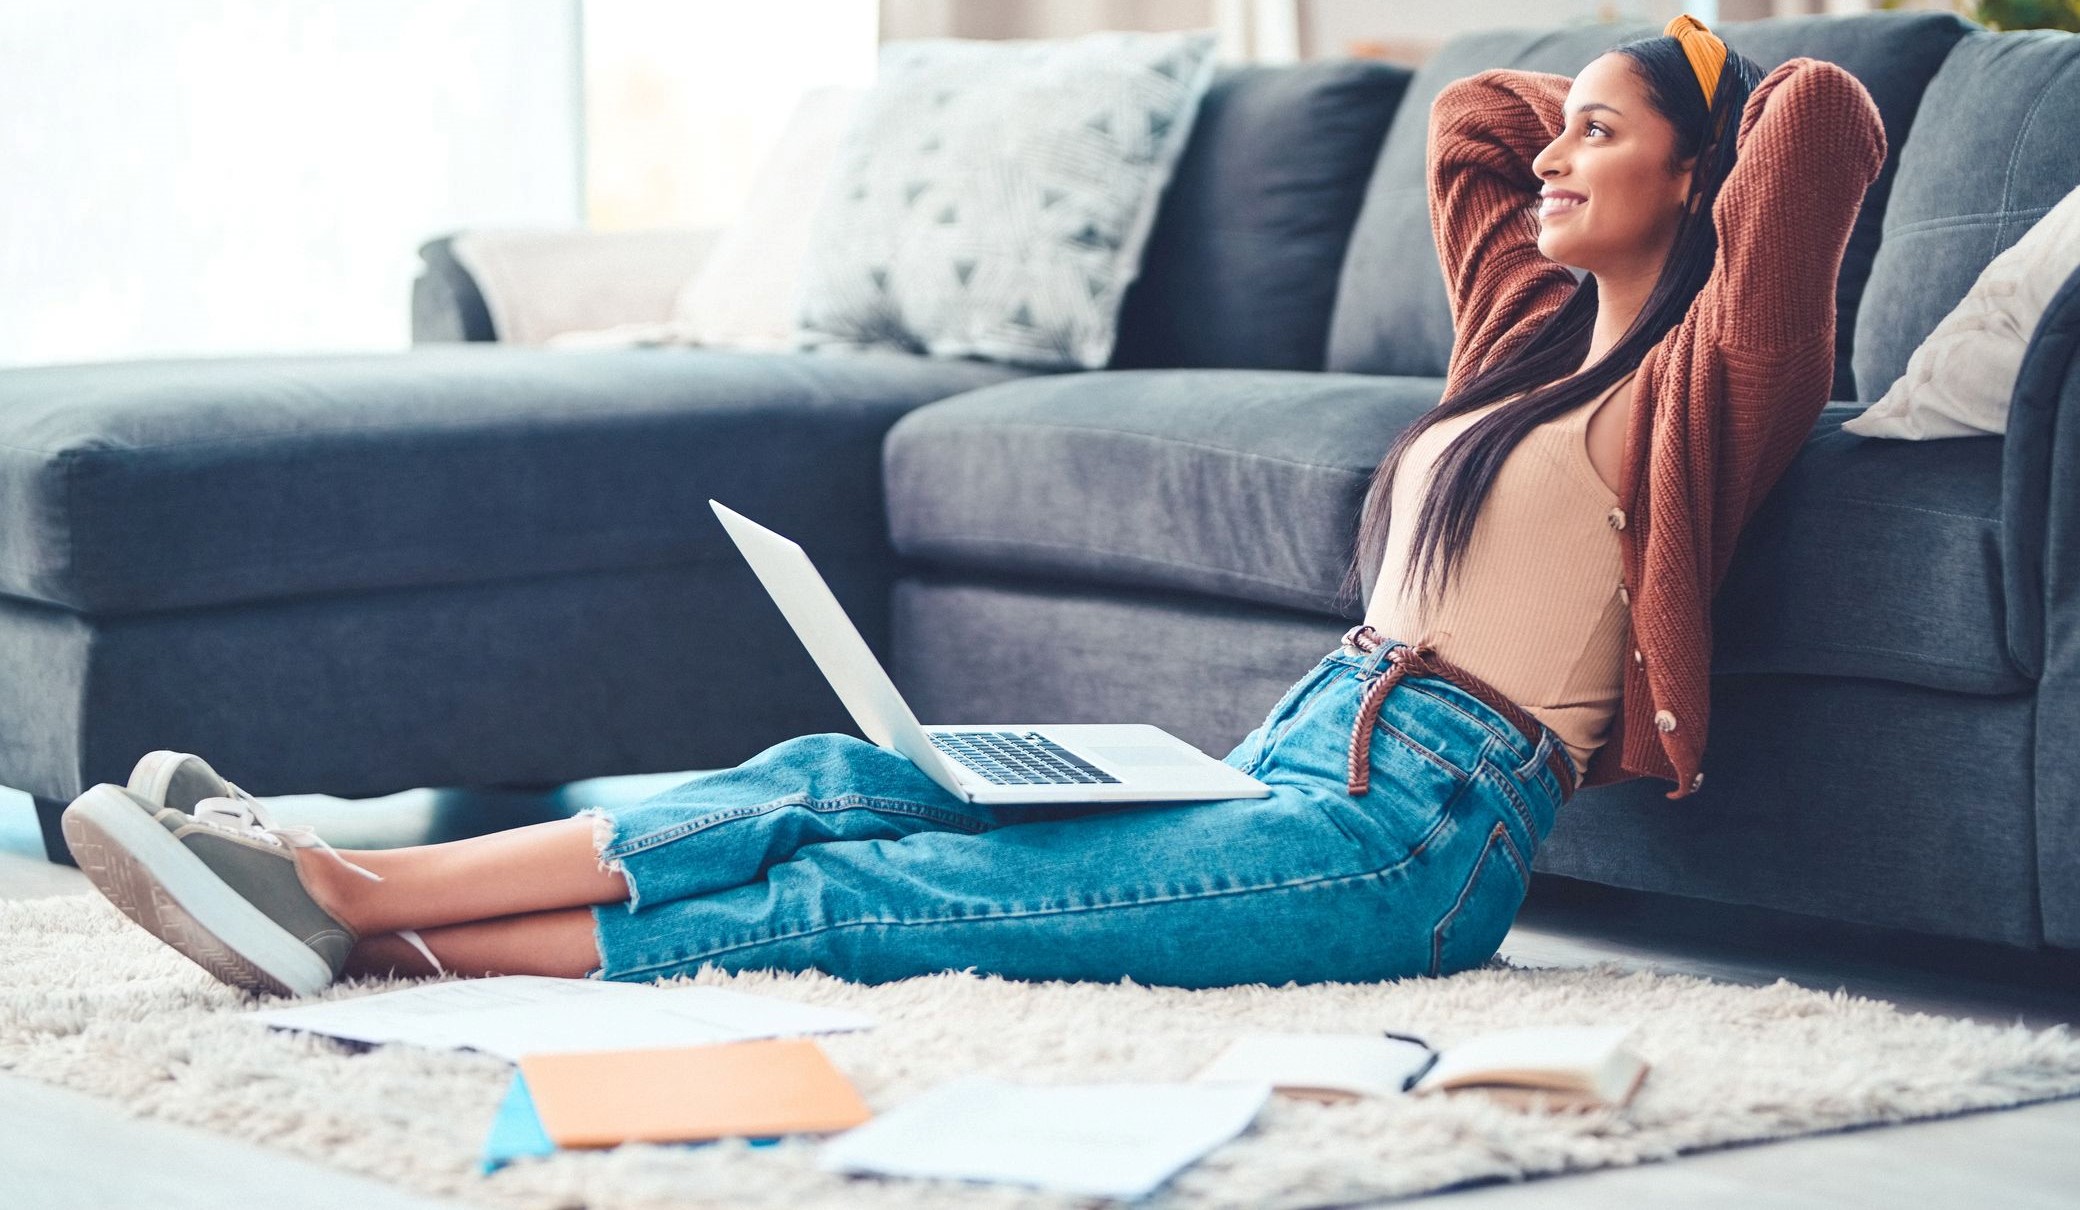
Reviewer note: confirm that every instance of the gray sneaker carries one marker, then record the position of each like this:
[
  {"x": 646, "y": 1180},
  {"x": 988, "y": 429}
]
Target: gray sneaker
[{"x": 220, "y": 888}]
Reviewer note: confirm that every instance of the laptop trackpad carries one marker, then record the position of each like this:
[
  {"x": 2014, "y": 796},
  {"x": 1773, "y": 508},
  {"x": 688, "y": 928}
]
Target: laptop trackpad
[{"x": 1142, "y": 755}]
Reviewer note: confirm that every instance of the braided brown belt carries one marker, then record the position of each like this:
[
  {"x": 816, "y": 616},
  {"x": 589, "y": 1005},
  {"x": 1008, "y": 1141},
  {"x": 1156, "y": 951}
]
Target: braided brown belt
[{"x": 1420, "y": 658}]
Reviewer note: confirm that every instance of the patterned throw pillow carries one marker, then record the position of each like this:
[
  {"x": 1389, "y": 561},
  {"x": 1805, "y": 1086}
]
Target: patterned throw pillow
[
  {"x": 992, "y": 199},
  {"x": 1958, "y": 382}
]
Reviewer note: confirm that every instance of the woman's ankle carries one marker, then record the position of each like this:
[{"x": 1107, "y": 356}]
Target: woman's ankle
[
  {"x": 388, "y": 956},
  {"x": 336, "y": 889}
]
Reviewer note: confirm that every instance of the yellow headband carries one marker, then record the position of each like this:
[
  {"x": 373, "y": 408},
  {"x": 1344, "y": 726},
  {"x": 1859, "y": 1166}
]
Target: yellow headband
[{"x": 1707, "y": 54}]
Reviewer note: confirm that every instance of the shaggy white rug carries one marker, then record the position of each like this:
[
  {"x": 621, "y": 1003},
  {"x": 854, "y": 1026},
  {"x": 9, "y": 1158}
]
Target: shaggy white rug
[{"x": 92, "y": 1003}]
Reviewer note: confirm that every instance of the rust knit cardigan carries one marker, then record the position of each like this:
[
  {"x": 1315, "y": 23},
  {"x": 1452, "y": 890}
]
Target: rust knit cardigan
[{"x": 1722, "y": 403}]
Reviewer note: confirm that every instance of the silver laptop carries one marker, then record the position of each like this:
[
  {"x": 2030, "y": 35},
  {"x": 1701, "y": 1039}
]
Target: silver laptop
[{"x": 1008, "y": 763}]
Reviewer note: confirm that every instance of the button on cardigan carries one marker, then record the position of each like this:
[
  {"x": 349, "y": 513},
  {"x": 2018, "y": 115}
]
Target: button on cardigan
[{"x": 1722, "y": 403}]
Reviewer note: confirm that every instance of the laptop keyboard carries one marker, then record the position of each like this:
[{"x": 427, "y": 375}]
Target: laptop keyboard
[{"x": 1008, "y": 758}]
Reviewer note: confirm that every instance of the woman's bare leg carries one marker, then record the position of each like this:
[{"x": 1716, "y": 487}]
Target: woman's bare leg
[
  {"x": 532, "y": 869},
  {"x": 558, "y": 943}
]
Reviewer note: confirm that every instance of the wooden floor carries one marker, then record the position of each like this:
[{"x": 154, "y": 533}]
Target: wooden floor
[{"x": 54, "y": 1145}]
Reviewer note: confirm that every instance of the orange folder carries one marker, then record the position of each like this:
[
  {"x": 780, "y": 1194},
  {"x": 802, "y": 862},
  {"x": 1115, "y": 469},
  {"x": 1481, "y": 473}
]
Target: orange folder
[{"x": 767, "y": 1087}]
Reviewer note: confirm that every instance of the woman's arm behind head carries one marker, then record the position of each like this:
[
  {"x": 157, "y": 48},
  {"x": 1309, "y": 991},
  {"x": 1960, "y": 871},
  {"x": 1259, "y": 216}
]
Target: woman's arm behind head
[{"x": 1484, "y": 132}]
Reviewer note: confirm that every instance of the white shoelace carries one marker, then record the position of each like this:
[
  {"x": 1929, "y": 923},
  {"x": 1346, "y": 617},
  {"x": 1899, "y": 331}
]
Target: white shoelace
[
  {"x": 419, "y": 943},
  {"x": 244, "y": 816}
]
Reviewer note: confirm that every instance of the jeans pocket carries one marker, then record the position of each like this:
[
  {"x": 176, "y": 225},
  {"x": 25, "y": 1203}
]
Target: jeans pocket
[
  {"x": 1412, "y": 793},
  {"x": 1518, "y": 796},
  {"x": 1474, "y": 926},
  {"x": 1395, "y": 737}
]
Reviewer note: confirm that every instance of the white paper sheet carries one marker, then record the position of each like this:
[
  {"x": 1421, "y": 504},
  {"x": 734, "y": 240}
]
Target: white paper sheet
[
  {"x": 1106, "y": 1140},
  {"x": 514, "y": 1015}
]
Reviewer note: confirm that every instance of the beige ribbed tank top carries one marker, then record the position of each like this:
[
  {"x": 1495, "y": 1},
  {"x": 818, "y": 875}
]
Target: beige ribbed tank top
[{"x": 1534, "y": 606}]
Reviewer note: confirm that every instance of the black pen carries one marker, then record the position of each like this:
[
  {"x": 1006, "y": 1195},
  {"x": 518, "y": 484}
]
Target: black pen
[{"x": 1428, "y": 1063}]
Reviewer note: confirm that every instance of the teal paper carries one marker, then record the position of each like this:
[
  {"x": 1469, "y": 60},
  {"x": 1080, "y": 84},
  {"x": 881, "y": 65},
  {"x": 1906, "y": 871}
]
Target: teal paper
[{"x": 515, "y": 1132}]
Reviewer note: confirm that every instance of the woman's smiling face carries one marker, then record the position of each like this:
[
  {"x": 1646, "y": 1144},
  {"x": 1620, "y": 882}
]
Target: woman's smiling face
[{"x": 1611, "y": 192}]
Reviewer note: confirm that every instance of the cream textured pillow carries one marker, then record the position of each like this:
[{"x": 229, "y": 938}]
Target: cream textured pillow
[
  {"x": 1958, "y": 382},
  {"x": 743, "y": 292},
  {"x": 993, "y": 197},
  {"x": 746, "y": 294}
]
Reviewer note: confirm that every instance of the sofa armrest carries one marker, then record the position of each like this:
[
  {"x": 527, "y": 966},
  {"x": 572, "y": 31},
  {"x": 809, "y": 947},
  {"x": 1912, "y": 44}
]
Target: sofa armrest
[
  {"x": 2040, "y": 480},
  {"x": 446, "y": 304},
  {"x": 522, "y": 286},
  {"x": 2040, "y": 555}
]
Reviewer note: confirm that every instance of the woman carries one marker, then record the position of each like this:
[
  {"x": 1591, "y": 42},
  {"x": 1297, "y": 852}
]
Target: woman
[{"x": 1412, "y": 782}]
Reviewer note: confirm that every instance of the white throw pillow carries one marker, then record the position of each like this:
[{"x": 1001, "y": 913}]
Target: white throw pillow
[
  {"x": 743, "y": 292},
  {"x": 1959, "y": 381},
  {"x": 993, "y": 198},
  {"x": 747, "y": 293},
  {"x": 560, "y": 286}
]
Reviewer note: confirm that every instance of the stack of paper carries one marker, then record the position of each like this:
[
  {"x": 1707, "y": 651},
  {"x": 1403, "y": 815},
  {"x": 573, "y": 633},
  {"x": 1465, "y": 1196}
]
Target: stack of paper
[{"x": 515, "y": 1015}]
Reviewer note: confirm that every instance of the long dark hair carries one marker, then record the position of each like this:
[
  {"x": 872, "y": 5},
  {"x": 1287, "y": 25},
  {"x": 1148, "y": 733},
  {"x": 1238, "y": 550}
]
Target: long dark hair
[{"x": 1544, "y": 368}]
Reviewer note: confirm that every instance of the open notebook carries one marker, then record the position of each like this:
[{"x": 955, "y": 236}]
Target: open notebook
[{"x": 1553, "y": 1066}]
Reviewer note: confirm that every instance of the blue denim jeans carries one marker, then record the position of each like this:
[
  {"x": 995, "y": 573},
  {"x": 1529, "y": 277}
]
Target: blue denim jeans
[{"x": 827, "y": 852}]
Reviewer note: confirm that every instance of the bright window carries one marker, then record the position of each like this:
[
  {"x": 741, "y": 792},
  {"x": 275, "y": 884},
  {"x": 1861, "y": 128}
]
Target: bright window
[
  {"x": 684, "y": 100},
  {"x": 227, "y": 176}
]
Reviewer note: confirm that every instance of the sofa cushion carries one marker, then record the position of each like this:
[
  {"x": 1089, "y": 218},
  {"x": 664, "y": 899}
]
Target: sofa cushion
[
  {"x": 1870, "y": 558},
  {"x": 1874, "y": 558},
  {"x": 1238, "y": 483},
  {"x": 1991, "y": 153},
  {"x": 159, "y": 484},
  {"x": 1241, "y": 267},
  {"x": 1392, "y": 316}
]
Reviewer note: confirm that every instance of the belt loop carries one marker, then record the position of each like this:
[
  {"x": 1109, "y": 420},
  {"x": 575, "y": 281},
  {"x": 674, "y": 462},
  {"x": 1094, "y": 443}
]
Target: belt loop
[
  {"x": 1364, "y": 640},
  {"x": 1539, "y": 753}
]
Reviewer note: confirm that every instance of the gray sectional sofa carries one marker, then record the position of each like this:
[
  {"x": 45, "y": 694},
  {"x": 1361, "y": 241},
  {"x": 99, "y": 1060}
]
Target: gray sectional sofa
[{"x": 479, "y": 565}]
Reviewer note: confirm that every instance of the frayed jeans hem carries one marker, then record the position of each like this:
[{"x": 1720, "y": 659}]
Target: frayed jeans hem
[{"x": 604, "y": 834}]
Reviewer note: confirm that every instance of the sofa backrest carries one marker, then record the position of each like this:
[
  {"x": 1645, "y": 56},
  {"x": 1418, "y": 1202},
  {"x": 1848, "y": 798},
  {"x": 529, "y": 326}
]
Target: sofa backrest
[
  {"x": 1392, "y": 315},
  {"x": 1997, "y": 144},
  {"x": 1241, "y": 265}
]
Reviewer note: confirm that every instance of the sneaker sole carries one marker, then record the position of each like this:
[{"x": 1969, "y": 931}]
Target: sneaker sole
[{"x": 153, "y": 879}]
